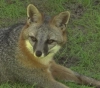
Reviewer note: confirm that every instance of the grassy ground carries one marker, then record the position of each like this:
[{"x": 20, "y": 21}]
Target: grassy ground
[{"x": 82, "y": 51}]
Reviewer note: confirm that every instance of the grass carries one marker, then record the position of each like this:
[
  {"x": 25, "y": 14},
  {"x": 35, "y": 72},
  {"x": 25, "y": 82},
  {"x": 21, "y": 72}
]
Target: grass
[{"x": 82, "y": 32}]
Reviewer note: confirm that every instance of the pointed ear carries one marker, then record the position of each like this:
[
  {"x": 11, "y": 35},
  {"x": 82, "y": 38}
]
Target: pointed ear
[
  {"x": 61, "y": 20},
  {"x": 34, "y": 16}
]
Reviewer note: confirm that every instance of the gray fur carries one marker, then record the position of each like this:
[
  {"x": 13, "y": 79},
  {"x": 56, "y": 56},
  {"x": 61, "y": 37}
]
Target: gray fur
[{"x": 8, "y": 44}]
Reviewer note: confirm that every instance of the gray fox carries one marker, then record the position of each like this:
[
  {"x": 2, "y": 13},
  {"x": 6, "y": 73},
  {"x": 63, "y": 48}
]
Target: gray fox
[{"x": 27, "y": 50}]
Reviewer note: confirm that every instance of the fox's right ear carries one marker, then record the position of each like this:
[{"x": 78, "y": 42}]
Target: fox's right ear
[{"x": 34, "y": 16}]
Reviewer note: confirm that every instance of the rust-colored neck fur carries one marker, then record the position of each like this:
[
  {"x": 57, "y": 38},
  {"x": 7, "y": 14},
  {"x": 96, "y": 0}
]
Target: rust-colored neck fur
[{"x": 27, "y": 58}]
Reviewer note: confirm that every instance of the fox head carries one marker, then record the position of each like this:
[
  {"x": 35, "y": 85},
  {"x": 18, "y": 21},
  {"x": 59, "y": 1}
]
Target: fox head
[{"x": 44, "y": 37}]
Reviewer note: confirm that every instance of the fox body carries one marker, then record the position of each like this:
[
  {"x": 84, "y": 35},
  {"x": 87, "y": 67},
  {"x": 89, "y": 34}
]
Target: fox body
[{"x": 27, "y": 50}]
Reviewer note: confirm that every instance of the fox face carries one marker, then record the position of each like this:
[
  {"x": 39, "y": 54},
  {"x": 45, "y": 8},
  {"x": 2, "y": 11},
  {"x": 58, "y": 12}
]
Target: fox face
[
  {"x": 44, "y": 40},
  {"x": 45, "y": 37}
]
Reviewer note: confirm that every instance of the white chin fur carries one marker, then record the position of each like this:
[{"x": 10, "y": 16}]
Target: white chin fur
[{"x": 44, "y": 59}]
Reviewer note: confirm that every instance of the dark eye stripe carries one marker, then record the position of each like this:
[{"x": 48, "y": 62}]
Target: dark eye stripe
[
  {"x": 50, "y": 41},
  {"x": 33, "y": 38}
]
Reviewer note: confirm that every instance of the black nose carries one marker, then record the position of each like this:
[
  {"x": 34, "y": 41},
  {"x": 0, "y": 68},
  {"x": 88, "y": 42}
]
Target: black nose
[{"x": 38, "y": 53}]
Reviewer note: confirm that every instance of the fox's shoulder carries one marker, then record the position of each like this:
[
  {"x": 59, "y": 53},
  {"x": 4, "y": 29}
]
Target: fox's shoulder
[{"x": 10, "y": 28}]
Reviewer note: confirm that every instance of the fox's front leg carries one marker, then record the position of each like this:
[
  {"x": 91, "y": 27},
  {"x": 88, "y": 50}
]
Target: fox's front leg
[
  {"x": 41, "y": 77},
  {"x": 50, "y": 82},
  {"x": 63, "y": 73}
]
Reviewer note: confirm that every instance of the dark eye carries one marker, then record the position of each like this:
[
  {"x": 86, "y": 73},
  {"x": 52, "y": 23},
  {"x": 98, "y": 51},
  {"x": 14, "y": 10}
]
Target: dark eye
[
  {"x": 50, "y": 41},
  {"x": 33, "y": 38}
]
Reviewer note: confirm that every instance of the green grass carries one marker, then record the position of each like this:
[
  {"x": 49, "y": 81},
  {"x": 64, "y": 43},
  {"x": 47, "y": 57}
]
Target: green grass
[{"x": 83, "y": 32}]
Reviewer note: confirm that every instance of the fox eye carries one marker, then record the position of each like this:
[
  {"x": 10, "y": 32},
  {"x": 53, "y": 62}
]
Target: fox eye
[
  {"x": 50, "y": 41},
  {"x": 33, "y": 38}
]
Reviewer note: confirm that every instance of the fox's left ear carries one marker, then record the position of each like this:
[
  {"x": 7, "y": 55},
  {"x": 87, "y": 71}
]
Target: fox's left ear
[
  {"x": 61, "y": 20},
  {"x": 34, "y": 16}
]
